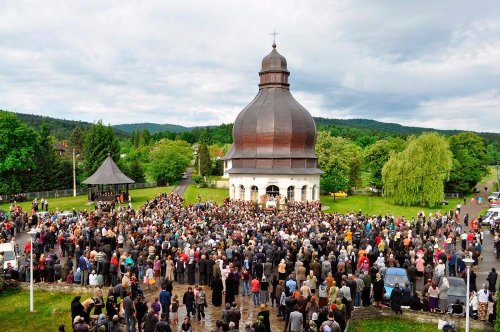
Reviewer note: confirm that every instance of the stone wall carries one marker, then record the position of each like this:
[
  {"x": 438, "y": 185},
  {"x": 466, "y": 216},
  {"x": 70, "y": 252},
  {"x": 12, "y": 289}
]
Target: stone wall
[{"x": 62, "y": 287}]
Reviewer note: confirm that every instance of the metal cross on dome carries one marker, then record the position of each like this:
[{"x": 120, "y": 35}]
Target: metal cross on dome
[{"x": 274, "y": 34}]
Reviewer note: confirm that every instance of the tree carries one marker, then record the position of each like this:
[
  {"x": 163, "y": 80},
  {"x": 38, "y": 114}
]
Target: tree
[
  {"x": 376, "y": 155},
  {"x": 99, "y": 141},
  {"x": 416, "y": 175},
  {"x": 469, "y": 162},
  {"x": 205, "y": 160},
  {"x": 339, "y": 159},
  {"x": 146, "y": 137},
  {"x": 168, "y": 160},
  {"x": 46, "y": 160},
  {"x": 18, "y": 143},
  {"x": 133, "y": 164},
  {"x": 77, "y": 139}
]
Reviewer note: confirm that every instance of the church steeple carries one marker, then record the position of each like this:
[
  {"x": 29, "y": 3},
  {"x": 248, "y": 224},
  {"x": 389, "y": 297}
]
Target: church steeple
[{"x": 274, "y": 72}]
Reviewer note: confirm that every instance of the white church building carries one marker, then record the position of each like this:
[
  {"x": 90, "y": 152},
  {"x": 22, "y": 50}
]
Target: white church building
[{"x": 273, "y": 142}]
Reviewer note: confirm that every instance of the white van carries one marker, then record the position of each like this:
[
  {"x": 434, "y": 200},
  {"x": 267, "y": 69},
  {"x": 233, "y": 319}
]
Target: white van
[
  {"x": 9, "y": 255},
  {"x": 490, "y": 215}
]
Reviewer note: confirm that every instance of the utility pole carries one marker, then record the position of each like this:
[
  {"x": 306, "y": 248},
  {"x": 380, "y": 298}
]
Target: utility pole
[
  {"x": 74, "y": 173},
  {"x": 498, "y": 178}
]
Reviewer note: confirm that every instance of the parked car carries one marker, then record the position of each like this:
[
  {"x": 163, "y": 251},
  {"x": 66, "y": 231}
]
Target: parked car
[
  {"x": 456, "y": 291},
  {"x": 339, "y": 194},
  {"x": 9, "y": 255},
  {"x": 43, "y": 215},
  {"x": 392, "y": 276},
  {"x": 494, "y": 196},
  {"x": 184, "y": 176},
  {"x": 489, "y": 216},
  {"x": 495, "y": 203}
]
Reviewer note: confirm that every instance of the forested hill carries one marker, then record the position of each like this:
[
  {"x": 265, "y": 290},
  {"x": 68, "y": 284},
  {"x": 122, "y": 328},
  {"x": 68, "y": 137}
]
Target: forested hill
[
  {"x": 152, "y": 127},
  {"x": 60, "y": 128},
  {"x": 350, "y": 128}
]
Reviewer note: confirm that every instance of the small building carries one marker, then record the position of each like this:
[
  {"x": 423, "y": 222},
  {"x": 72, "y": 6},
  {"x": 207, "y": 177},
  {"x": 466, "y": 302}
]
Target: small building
[
  {"x": 273, "y": 142},
  {"x": 108, "y": 179}
]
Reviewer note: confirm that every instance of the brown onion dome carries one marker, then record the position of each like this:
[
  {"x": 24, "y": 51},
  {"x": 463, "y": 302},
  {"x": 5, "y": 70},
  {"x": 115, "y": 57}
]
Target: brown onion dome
[{"x": 274, "y": 131}]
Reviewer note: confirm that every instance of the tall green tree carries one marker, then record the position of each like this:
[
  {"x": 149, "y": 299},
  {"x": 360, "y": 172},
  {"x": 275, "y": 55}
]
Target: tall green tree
[
  {"x": 146, "y": 137},
  {"x": 99, "y": 141},
  {"x": 18, "y": 145},
  {"x": 469, "y": 162},
  {"x": 416, "y": 175},
  {"x": 46, "y": 160},
  {"x": 169, "y": 159},
  {"x": 376, "y": 155},
  {"x": 77, "y": 139},
  {"x": 205, "y": 160},
  {"x": 340, "y": 159}
]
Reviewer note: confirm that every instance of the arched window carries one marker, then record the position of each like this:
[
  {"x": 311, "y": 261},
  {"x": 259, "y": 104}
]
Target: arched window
[
  {"x": 254, "y": 194},
  {"x": 303, "y": 194},
  {"x": 290, "y": 193},
  {"x": 272, "y": 190},
  {"x": 242, "y": 192},
  {"x": 314, "y": 193}
]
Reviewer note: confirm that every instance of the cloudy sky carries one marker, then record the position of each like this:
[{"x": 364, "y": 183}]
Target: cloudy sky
[{"x": 420, "y": 63}]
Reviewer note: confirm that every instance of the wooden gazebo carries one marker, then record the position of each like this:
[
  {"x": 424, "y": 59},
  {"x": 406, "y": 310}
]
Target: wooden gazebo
[{"x": 107, "y": 174}]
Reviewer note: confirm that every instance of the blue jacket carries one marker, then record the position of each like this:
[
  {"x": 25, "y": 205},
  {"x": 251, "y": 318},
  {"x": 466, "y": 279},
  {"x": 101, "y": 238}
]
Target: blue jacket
[
  {"x": 82, "y": 264},
  {"x": 165, "y": 297}
]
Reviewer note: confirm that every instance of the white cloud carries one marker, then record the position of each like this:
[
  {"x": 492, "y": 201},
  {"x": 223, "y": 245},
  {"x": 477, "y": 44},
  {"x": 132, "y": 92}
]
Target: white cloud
[{"x": 196, "y": 62}]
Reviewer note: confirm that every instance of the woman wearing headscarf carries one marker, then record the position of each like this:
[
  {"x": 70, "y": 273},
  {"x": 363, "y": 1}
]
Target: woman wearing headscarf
[
  {"x": 483, "y": 299},
  {"x": 378, "y": 290},
  {"x": 217, "y": 289},
  {"x": 191, "y": 270},
  {"x": 433, "y": 294},
  {"x": 102, "y": 323},
  {"x": 443, "y": 295},
  {"x": 76, "y": 307},
  {"x": 259, "y": 325},
  {"x": 170, "y": 269}
]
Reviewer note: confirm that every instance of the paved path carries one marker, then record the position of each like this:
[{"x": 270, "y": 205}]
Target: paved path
[
  {"x": 488, "y": 253},
  {"x": 181, "y": 188}
]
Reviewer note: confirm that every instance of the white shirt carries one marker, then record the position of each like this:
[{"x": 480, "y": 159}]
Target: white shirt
[
  {"x": 93, "y": 279},
  {"x": 483, "y": 297}
]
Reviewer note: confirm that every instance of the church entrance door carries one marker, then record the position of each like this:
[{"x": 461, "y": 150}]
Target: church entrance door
[{"x": 272, "y": 190}]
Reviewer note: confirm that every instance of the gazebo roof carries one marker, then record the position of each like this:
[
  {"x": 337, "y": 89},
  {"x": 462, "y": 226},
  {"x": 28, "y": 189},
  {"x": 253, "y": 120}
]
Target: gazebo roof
[{"x": 108, "y": 173}]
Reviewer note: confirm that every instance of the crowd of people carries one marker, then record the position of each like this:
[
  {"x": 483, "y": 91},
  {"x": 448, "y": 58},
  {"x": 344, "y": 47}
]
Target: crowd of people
[{"x": 315, "y": 267}]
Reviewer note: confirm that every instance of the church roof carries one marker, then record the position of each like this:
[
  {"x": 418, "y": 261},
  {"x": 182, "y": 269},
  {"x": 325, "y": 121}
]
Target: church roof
[
  {"x": 274, "y": 124},
  {"x": 108, "y": 173}
]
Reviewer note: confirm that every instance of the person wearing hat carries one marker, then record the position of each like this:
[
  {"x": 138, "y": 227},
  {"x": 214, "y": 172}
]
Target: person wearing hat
[{"x": 102, "y": 323}]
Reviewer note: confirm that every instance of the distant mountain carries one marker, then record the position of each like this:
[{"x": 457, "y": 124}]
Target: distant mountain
[
  {"x": 59, "y": 128},
  {"x": 152, "y": 127},
  {"x": 62, "y": 128}
]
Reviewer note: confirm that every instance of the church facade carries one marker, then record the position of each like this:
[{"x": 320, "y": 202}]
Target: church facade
[{"x": 273, "y": 142}]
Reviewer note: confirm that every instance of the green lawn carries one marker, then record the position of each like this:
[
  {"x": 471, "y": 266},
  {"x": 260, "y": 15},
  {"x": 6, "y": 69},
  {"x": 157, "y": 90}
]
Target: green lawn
[
  {"x": 376, "y": 205},
  {"x": 139, "y": 197},
  {"x": 389, "y": 324},
  {"x": 207, "y": 194},
  {"x": 52, "y": 309}
]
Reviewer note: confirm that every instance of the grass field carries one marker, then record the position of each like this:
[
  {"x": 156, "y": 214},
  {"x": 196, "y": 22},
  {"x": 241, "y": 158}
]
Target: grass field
[
  {"x": 139, "y": 197},
  {"x": 52, "y": 309},
  {"x": 376, "y": 205},
  {"x": 207, "y": 194},
  {"x": 389, "y": 324}
]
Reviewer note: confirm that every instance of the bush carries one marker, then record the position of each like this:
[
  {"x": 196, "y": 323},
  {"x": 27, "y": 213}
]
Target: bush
[
  {"x": 203, "y": 184},
  {"x": 197, "y": 178}
]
